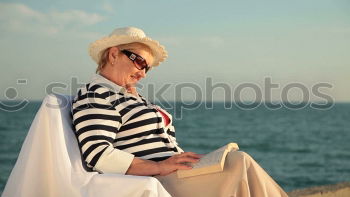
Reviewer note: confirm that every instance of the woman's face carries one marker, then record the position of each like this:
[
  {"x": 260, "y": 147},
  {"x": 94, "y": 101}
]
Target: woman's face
[{"x": 126, "y": 74}]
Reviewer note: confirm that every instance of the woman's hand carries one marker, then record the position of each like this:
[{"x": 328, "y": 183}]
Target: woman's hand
[
  {"x": 131, "y": 89},
  {"x": 178, "y": 162}
]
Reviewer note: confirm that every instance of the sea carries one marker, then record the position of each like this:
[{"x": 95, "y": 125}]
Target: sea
[{"x": 299, "y": 147}]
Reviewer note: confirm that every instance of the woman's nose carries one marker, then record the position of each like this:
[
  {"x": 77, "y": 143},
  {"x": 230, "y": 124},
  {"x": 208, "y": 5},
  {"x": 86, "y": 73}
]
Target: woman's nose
[{"x": 142, "y": 73}]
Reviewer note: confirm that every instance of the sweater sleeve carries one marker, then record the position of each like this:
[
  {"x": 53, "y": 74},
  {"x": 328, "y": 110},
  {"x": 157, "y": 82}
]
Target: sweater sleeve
[{"x": 96, "y": 124}]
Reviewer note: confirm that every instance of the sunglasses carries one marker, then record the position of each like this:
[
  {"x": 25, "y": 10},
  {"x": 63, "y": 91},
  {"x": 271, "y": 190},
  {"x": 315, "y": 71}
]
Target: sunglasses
[{"x": 139, "y": 62}]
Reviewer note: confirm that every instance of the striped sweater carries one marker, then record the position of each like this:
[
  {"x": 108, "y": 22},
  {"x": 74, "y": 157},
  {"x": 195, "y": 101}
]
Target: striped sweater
[{"x": 113, "y": 126}]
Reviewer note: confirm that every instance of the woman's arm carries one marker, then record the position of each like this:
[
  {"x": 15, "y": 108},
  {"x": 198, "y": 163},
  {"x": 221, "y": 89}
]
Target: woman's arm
[{"x": 176, "y": 162}]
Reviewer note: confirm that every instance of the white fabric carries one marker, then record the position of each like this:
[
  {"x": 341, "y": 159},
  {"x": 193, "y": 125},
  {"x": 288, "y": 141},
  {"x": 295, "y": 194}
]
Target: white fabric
[
  {"x": 242, "y": 177},
  {"x": 49, "y": 163}
]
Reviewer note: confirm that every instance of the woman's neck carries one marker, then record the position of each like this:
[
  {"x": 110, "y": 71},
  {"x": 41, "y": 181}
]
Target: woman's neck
[{"x": 108, "y": 75}]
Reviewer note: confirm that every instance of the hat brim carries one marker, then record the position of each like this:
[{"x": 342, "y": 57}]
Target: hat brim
[{"x": 96, "y": 48}]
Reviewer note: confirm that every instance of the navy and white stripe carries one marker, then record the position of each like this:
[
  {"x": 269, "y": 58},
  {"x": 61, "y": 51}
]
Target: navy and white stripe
[{"x": 113, "y": 126}]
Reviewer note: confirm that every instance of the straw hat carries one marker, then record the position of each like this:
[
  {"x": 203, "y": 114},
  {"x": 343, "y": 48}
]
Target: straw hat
[{"x": 126, "y": 35}]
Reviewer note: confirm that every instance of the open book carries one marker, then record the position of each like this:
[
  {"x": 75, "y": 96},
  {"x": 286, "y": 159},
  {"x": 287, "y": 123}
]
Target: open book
[{"x": 210, "y": 163}]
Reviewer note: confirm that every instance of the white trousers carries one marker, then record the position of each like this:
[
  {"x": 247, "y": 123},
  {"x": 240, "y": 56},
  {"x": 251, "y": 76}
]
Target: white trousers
[{"x": 241, "y": 177}]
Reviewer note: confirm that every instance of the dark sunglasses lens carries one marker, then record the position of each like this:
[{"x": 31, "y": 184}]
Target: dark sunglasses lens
[{"x": 141, "y": 63}]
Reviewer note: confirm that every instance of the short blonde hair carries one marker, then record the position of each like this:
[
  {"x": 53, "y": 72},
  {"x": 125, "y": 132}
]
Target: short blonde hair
[{"x": 130, "y": 46}]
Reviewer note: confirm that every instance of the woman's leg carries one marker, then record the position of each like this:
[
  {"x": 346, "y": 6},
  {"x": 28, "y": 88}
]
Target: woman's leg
[{"x": 242, "y": 177}]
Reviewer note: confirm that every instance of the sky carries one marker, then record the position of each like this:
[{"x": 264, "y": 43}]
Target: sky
[{"x": 235, "y": 46}]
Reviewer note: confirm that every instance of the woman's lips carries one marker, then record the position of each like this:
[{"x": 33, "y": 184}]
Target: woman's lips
[{"x": 135, "y": 77}]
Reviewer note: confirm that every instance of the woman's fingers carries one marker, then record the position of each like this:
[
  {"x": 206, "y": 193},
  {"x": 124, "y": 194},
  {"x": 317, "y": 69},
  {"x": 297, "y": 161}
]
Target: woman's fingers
[
  {"x": 187, "y": 157},
  {"x": 183, "y": 167},
  {"x": 190, "y": 154},
  {"x": 186, "y": 160},
  {"x": 178, "y": 162}
]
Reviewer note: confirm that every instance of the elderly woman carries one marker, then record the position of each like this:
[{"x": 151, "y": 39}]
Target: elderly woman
[{"x": 119, "y": 131}]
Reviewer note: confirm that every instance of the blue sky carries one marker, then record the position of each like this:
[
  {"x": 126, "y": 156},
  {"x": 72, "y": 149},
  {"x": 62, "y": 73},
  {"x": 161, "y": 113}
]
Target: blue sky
[{"x": 231, "y": 42}]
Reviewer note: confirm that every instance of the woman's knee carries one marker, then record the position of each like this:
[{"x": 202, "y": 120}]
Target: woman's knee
[{"x": 239, "y": 156}]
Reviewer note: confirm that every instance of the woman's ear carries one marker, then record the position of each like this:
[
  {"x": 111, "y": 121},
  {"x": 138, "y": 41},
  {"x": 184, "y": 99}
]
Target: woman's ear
[{"x": 113, "y": 55}]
